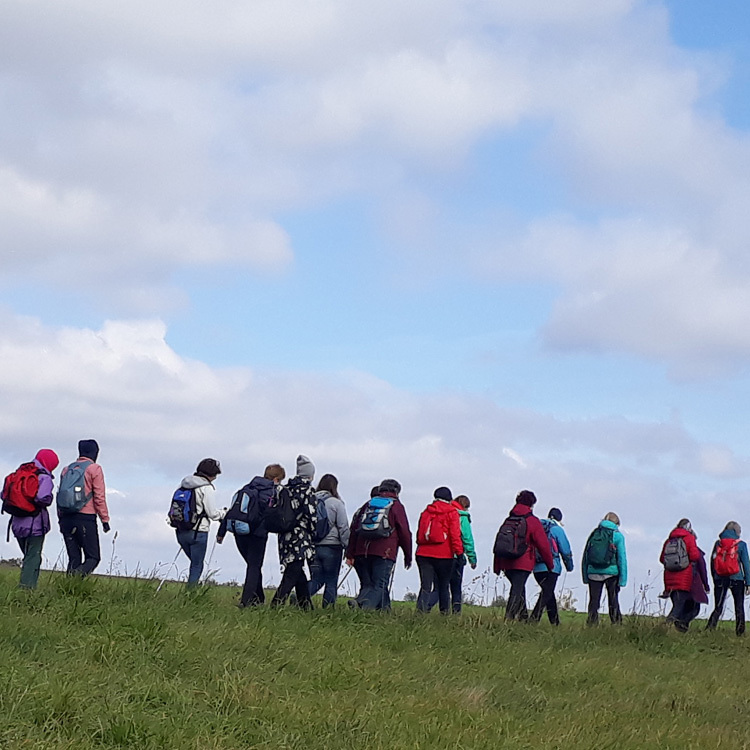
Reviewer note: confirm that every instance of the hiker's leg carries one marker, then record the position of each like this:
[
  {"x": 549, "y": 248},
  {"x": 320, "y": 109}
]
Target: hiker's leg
[
  {"x": 316, "y": 571},
  {"x": 331, "y": 559},
  {"x": 456, "y": 583},
  {"x": 362, "y": 569},
  {"x": 427, "y": 583},
  {"x": 287, "y": 583},
  {"x": 516, "y": 609},
  {"x": 89, "y": 539},
  {"x": 541, "y": 600},
  {"x": 252, "y": 548},
  {"x": 381, "y": 578},
  {"x": 69, "y": 530},
  {"x": 302, "y": 589},
  {"x": 551, "y": 600},
  {"x": 613, "y": 600},
  {"x": 738, "y": 593},
  {"x": 683, "y": 605},
  {"x": 721, "y": 586},
  {"x": 443, "y": 569},
  {"x": 595, "y": 599},
  {"x": 31, "y": 546}
]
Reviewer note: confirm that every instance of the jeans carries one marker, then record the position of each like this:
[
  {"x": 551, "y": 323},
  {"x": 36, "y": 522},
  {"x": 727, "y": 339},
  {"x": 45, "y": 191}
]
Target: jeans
[
  {"x": 595, "y": 598},
  {"x": 374, "y": 581},
  {"x": 253, "y": 550},
  {"x": 81, "y": 537},
  {"x": 434, "y": 573},
  {"x": 294, "y": 578},
  {"x": 682, "y": 610},
  {"x": 516, "y": 607},
  {"x": 721, "y": 587},
  {"x": 193, "y": 544},
  {"x": 31, "y": 546},
  {"x": 546, "y": 599},
  {"x": 324, "y": 571},
  {"x": 457, "y": 583}
]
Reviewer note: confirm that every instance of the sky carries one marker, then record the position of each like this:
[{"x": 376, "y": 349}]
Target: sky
[{"x": 488, "y": 245}]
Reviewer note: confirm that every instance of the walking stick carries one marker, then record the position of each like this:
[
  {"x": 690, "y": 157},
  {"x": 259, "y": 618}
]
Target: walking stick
[{"x": 174, "y": 563}]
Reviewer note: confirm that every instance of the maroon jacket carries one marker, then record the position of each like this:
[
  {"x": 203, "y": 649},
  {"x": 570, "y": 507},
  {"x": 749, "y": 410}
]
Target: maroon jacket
[
  {"x": 536, "y": 539},
  {"x": 681, "y": 580},
  {"x": 386, "y": 547},
  {"x": 700, "y": 587}
]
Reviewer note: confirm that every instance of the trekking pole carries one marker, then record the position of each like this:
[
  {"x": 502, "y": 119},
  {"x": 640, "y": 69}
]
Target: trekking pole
[
  {"x": 341, "y": 582},
  {"x": 174, "y": 563}
]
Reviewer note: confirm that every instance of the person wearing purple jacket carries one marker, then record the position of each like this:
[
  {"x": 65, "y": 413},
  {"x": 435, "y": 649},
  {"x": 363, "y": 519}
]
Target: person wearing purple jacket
[
  {"x": 30, "y": 531},
  {"x": 698, "y": 592}
]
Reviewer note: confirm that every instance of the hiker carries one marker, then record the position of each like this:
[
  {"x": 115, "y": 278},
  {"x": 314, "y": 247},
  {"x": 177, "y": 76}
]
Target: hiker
[
  {"x": 678, "y": 556},
  {"x": 520, "y": 537},
  {"x": 547, "y": 578},
  {"x": 82, "y": 497},
  {"x": 438, "y": 545},
  {"x": 246, "y": 520},
  {"x": 26, "y": 495},
  {"x": 462, "y": 505},
  {"x": 730, "y": 569},
  {"x": 378, "y": 529},
  {"x": 605, "y": 565},
  {"x": 699, "y": 589},
  {"x": 296, "y": 545},
  {"x": 329, "y": 551},
  {"x": 193, "y": 538}
]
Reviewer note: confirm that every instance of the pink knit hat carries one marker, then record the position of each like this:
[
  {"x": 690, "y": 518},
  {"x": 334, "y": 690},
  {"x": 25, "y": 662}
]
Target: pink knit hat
[{"x": 48, "y": 458}]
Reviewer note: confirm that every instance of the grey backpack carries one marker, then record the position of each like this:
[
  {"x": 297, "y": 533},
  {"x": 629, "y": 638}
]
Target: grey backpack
[
  {"x": 71, "y": 496},
  {"x": 675, "y": 554}
]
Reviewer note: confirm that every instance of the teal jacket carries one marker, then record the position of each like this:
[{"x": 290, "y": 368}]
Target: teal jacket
[
  {"x": 467, "y": 536},
  {"x": 618, "y": 568}
]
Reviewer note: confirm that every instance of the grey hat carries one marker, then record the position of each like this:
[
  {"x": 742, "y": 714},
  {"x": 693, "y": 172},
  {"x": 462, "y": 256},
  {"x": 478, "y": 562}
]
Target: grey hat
[{"x": 305, "y": 467}]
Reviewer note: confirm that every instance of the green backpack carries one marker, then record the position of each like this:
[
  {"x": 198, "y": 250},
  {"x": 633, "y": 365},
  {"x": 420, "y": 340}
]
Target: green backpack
[{"x": 600, "y": 549}]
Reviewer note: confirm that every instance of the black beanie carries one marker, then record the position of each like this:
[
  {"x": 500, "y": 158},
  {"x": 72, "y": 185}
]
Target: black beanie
[
  {"x": 443, "y": 493},
  {"x": 88, "y": 449}
]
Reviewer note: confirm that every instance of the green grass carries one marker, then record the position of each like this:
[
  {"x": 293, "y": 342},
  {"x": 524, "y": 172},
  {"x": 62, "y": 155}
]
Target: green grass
[{"x": 107, "y": 663}]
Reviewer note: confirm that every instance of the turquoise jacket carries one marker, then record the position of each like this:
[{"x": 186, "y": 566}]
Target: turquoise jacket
[
  {"x": 563, "y": 548},
  {"x": 467, "y": 536},
  {"x": 618, "y": 568},
  {"x": 744, "y": 573}
]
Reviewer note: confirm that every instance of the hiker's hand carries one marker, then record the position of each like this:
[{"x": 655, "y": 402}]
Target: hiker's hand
[
  {"x": 473, "y": 566},
  {"x": 407, "y": 566},
  {"x": 219, "y": 539},
  {"x": 747, "y": 590},
  {"x": 105, "y": 527},
  {"x": 349, "y": 561}
]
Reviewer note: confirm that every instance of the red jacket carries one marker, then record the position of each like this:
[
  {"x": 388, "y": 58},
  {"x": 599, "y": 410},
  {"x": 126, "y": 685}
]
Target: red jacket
[
  {"x": 536, "y": 539},
  {"x": 681, "y": 580},
  {"x": 439, "y": 531},
  {"x": 387, "y": 547}
]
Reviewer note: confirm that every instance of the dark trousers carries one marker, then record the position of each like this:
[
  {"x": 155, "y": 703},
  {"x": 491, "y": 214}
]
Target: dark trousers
[
  {"x": 324, "y": 571},
  {"x": 682, "y": 610},
  {"x": 457, "y": 584},
  {"x": 374, "y": 581},
  {"x": 516, "y": 607},
  {"x": 81, "y": 537},
  {"x": 31, "y": 546},
  {"x": 547, "y": 599},
  {"x": 721, "y": 587},
  {"x": 613, "y": 600},
  {"x": 253, "y": 550},
  {"x": 434, "y": 572},
  {"x": 294, "y": 578}
]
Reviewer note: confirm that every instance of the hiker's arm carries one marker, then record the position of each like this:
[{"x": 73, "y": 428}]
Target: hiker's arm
[
  {"x": 540, "y": 540},
  {"x": 745, "y": 563},
  {"x": 467, "y": 537},
  {"x": 622, "y": 560},
  {"x": 563, "y": 547},
  {"x": 457, "y": 543},
  {"x": 342, "y": 522},
  {"x": 45, "y": 492},
  {"x": 692, "y": 549},
  {"x": 94, "y": 476},
  {"x": 403, "y": 532},
  {"x": 209, "y": 503}
]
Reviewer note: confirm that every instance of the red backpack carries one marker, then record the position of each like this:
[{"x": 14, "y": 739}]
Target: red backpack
[
  {"x": 727, "y": 558},
  {"x": 20, "y": 490},
  {"x": 431, "y": 529}
]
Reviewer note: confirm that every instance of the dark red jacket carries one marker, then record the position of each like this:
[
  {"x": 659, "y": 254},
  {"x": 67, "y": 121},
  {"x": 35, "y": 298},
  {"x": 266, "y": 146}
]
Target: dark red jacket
[
  {"x": 386, "y": 547},
  {"x": 439, "y": 520},
  {"x": 536, "y": 539},
  {"x": 681, "y": 580}
]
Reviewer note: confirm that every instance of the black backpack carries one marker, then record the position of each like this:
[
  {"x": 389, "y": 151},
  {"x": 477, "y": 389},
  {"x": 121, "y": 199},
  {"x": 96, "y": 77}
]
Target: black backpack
[
  {"x": 510, "y": 542},
  {"x": 248, "y": 511},
  {"x": 280, "y": 516}
]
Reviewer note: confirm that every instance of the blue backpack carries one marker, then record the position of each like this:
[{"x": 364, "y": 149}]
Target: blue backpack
[
  {"x": 247, "y": 512},
  {"x": 71, "y": 496},
  {"x": 183, "y": 512},
  {"x": 322, "y": 523}
]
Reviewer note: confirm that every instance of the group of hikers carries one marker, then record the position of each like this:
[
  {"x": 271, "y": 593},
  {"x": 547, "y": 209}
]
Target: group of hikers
[{"x": 313, "y": 529}]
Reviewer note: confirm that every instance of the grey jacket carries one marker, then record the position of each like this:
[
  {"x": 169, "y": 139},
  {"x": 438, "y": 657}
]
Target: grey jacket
[{"x": 339, "y": 533}]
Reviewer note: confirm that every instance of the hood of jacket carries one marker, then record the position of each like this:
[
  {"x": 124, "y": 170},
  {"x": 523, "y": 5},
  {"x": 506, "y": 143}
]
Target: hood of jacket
[
  {"x": 464, "y": 514},
  {"x": 323, "y": 495},
  {"x": 522, "y": 510},
  {"x": 192, "y": 482},
  {"x": 440, "y": 508},
  {"x": 678, "y": 532},
  {"x": 729, "y": 534},
  {"x": 260, "y": 483},
  {"x": 609, "y": 525}
]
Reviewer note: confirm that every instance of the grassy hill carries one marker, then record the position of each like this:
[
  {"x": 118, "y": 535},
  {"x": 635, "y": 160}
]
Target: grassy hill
[{"x": 107, "y": 663}]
